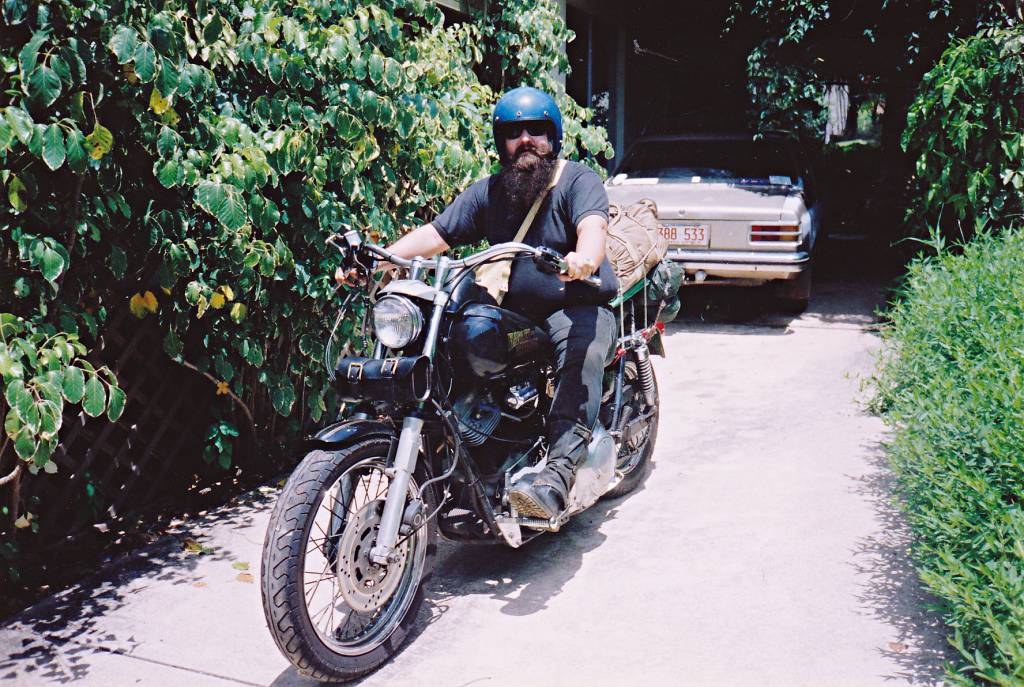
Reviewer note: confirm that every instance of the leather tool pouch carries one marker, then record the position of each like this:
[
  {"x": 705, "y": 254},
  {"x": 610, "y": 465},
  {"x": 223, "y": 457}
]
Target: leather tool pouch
[{"x": 398, "y": 380}]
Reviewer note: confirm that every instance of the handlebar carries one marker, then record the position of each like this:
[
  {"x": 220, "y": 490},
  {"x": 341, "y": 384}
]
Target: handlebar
[{"x": 540, "y": 255}]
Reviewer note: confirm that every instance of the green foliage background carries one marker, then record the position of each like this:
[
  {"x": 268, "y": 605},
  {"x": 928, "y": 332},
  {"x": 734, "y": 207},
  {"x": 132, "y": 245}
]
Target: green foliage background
[
  {"x": 950, "y": 385},
  {"x": 188, "y": 159},
  {"x": 965, "y": 132},
  {"x": 951, "y": 378}
]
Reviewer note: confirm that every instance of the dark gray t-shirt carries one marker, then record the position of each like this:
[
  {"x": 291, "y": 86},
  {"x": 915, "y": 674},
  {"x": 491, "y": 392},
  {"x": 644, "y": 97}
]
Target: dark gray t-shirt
[{"x": 483, "y": 212}]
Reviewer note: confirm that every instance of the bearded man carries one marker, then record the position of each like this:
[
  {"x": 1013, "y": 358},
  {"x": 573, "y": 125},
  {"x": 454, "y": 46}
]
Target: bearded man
[{"x": 573, "y": 220}]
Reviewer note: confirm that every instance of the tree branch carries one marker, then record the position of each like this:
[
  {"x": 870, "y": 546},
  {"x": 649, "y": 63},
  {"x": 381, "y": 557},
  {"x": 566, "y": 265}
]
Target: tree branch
[
  {"x": 16, "y": 472},
  {"x": 233, "y": 395}
]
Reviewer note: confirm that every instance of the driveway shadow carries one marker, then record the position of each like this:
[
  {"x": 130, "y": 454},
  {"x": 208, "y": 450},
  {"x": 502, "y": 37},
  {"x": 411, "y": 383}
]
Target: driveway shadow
[
  {"x": 892, "y": 590},
  {"x": 851, "y": 283},
  {"x": 524, "y": 579},
  {"x": 54, "y": 639}
]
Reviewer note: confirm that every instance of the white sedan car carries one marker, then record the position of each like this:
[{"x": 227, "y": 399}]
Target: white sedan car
[{"x": 735, "y": 209}]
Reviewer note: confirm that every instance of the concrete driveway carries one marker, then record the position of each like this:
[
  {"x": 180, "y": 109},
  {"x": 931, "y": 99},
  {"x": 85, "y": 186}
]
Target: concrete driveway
[{"x": 764, "y": 549}]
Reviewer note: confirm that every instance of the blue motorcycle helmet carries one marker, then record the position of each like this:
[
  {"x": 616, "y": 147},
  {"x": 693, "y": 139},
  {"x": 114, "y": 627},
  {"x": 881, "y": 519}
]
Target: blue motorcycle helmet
[{"x": 526, "y": 104}]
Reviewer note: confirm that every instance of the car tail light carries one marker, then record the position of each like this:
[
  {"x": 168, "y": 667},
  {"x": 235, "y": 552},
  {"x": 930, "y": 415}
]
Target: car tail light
[{"x": 775, "y": 232}]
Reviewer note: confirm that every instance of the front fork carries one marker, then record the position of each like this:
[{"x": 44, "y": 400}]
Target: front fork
[
  {"x": 394, "y": 504},
  {"x": 400, "y": 474}
]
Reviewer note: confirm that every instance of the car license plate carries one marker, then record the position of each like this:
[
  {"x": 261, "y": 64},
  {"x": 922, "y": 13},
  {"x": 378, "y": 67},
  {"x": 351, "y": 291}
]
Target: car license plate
[{"x": 686, "y": 234}]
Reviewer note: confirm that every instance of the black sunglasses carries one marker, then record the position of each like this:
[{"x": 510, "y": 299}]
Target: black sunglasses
[{"x": 533, "y": 128}]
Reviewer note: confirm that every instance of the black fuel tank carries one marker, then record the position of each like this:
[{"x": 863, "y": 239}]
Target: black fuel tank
[{"x": 486, "y": 340}]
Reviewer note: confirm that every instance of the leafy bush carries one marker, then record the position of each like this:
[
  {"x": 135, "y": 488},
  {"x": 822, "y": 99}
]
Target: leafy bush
[
  {"x": 187, "y": 160},
  {"x": 950, "y": 385},
  {"x": 965, "y": 130}
]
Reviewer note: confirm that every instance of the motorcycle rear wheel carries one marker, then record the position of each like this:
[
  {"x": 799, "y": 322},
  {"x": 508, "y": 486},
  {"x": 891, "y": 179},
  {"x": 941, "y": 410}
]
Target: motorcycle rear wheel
[
  {"x": 332, "y": 613},
  {"x": 635, "y": 456}
]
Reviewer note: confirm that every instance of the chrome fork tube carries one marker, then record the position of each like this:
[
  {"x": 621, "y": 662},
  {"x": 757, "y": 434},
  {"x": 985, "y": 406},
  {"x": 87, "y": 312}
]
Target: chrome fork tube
[
  {"x": 409, "y": 440},
  {"x": 398, "y": 489},
  {"x": 440, "y": 301}
]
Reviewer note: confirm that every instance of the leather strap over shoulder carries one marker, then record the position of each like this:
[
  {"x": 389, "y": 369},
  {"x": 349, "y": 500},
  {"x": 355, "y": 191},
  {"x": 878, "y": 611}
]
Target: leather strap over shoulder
[{"x": 532, "y": 214}]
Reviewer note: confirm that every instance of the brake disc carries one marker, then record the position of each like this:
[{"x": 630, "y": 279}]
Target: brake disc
[{"x": 364, "y": 585}]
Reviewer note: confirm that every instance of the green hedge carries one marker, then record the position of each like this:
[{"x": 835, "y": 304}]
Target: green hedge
[
  {"x": 187, "y": 159},
  {"x": 952, "y": 387}
]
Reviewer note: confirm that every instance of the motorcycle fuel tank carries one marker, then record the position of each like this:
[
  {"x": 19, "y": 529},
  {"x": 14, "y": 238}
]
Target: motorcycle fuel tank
[{"x": 487, "y": 340}]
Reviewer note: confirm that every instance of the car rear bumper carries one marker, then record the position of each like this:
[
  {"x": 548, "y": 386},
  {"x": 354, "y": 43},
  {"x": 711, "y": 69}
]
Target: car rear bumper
[{"x": 741, "y": 264}]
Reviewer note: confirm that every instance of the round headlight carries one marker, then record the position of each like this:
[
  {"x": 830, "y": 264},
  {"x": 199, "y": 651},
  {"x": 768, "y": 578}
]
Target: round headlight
[{"x": 397, "y": 321}]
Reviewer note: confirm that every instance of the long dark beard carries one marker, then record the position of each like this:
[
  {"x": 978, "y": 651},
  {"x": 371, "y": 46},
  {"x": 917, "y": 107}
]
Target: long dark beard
[{"x": 523, "y": 178}]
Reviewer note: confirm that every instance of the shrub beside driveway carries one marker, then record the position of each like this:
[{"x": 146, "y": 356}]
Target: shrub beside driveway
[{"x": 952, "y": 386}]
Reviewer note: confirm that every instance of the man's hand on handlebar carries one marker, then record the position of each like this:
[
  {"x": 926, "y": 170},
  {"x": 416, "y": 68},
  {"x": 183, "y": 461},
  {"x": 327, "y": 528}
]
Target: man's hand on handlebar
[
  {"x": 348, "y": 276},
  {"x": 383, "y": 271},
  {"x": 577, "y": 267}
]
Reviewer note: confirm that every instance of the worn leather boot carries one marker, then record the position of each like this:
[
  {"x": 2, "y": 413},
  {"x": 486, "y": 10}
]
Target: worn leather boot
[{"x": 546, "y": 494}]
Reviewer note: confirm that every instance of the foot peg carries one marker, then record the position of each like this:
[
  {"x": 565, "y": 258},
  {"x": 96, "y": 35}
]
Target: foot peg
[{"x": 552, "y": 525}]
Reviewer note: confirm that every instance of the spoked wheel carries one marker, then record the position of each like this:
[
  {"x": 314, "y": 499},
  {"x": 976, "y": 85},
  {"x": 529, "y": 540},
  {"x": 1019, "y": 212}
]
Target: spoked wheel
[
  {"x": 638, "y": 430},
  {"x": 334, "y": 613}
]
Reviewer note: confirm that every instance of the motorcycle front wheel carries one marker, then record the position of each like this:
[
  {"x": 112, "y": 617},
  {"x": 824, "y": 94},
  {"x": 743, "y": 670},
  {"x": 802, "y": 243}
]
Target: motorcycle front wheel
[{"x": 332, "y": 612}]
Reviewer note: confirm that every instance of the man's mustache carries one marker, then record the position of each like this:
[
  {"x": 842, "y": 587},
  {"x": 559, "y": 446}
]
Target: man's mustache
[{"x": 527, "y": 149}]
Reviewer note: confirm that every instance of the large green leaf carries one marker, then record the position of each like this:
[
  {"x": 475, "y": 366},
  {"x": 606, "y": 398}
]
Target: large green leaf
[
  {"x": 17, "y": 194},
  {"x": 61, "y": 67},
  {"x": 393, "y": 74},
  {"x": 78, "y": 159},
  {"x": 117, "y": 402},
  {"x": 167, "y": 173},
  {"x": 29, "y": 55},
  {"x": 145, "y": 62},
  {"x": 212, "y": 31},
  {"x": 168, "y": 78},
  {"x": 6, "y": 133},
  {"x": 35, "y": 144},
  {"x": 123, "y": 43},
  {"x": 50, "y": 417},
  {"x": 54, "y": 151},
  {"x": 15, "y": 11},
  {"x": 223, "y": 201},
  {"x": 25, "y": 442},
  {"x": 52, "y": 264},
  {"x": 74, "y": 384},
  {"x": 76, "y": 66},
  {"x": 43, "y": 85},
  {"x": 118, "y": 262},
  {"x": 283, "y": 397},
  {"x": 375, "y": 66},
  {"x": 166, "y": 142},
  {"x": 21, "y": 122},
  {"x": 19, "y": 398},
  {"x": 95, "y": 400}
]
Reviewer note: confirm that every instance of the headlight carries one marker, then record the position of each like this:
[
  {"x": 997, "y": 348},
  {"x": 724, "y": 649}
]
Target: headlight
[{"x": 397, "y": 321}]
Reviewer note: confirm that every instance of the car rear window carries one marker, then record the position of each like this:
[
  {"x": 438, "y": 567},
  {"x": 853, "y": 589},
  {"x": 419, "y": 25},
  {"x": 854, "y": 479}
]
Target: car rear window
[{"x": 732, "y": 161}]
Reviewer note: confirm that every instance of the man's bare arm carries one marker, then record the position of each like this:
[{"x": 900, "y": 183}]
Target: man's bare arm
[
  {"x": 590, "y": 239},
  {"x": 423, "y": 241}
]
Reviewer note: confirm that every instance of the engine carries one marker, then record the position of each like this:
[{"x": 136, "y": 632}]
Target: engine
[{"x": 480, "y": 411}]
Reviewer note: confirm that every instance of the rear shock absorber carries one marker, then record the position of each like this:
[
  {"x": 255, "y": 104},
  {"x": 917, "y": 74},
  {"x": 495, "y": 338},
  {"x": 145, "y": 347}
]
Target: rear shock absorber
[{"x": 646, "y": 374}]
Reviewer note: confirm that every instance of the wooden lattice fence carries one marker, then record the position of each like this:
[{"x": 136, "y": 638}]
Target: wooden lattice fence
[{"x": 147, "y": 460}]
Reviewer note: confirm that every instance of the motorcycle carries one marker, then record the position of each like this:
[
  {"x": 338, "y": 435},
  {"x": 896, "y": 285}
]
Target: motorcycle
[{"x": 449, "y": 411}]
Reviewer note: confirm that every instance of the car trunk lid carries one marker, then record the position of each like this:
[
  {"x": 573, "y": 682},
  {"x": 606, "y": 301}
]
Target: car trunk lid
[{"x": 726, "y": 210}]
